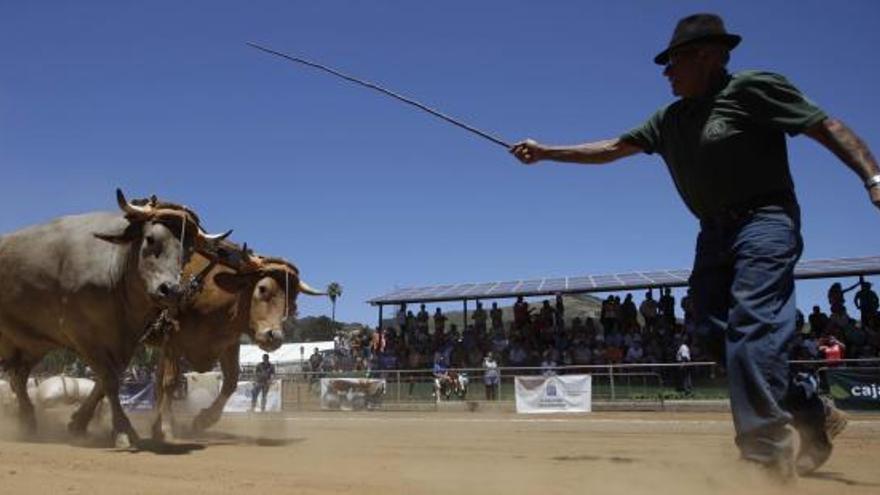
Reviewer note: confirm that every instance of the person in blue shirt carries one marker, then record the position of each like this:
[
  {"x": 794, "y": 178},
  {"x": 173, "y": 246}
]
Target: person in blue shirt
[{"x": 441, "y": 374}]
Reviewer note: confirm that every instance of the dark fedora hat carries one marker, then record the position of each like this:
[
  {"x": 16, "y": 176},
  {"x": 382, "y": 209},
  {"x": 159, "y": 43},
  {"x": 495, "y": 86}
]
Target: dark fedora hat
[{"x": 696, "y": 28}]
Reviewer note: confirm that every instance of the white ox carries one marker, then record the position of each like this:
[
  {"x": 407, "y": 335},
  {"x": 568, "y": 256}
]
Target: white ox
[{"x": 52, "y": 392}]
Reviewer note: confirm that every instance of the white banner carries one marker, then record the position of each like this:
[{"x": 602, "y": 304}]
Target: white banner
[
  {"x": 350, "y": 394},
  {"x": 241, "y": 399},
  {"x": 554, "y": 394}
]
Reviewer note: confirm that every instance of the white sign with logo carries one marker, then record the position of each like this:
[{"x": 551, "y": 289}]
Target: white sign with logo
[{"x": 554, "y": 394}]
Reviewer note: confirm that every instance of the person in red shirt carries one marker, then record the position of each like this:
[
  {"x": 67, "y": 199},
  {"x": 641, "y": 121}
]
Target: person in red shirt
[{"x": 833, "y": 350}]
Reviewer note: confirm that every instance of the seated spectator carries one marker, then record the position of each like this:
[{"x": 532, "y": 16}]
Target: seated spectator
[
  {"x": 567, "y": 358},
  {"x": 832, "y": 349},
  {"x": 867, "y": 352},
  {"x": 577, "y": 326},
  {"x": 388, "y": 361},
  {"x": 652, "y": 351},
  {"x": 582, "y": 352},
  {"x": 613, "y": 354},
  {"x": 855, "y": 336},
  {"x": 810, "y": 347},
  {"x": 414, "y": 359},
  {"x": 561, "y": 341},
  {"x": 548, "y": 365},
  {"x": 518, "y": 356},
  {"x": 554, "y": 354},
  {"x": 634, "y": 354},
  {"x": 469, "y": 337},
  {"x": 614, "y": 339},
  {"x": 499, "y": 344},
  {"x": 599, "y": 353}
]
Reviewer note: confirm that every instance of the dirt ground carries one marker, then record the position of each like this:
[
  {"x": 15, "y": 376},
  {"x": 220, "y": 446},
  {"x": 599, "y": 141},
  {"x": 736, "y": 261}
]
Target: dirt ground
[{"x": 428, "y": 453}]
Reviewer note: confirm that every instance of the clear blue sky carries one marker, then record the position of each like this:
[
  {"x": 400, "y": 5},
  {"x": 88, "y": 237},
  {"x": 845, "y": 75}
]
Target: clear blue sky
[{"x": 165, "y": 97}]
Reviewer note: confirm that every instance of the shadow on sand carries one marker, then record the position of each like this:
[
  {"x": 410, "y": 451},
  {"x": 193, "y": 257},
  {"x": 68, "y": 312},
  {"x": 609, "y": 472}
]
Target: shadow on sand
[
  {"x": 221, "y": 438},
  {"x": 163, "y": 448},
  {"x": 839, "y": 478}
]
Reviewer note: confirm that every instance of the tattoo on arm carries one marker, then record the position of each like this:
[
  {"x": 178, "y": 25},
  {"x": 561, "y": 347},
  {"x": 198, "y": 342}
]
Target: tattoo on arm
[{"x": 844, "y": 143}]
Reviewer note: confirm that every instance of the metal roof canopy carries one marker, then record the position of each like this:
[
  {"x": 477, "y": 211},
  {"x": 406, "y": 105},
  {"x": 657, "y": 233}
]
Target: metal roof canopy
[{"x": 829, "y": 268}]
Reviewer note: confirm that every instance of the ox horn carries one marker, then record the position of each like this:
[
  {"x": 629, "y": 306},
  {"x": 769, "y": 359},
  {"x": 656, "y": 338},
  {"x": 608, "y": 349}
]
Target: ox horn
[
  {"x": 128, "y": 208},
  {"x": 214, "y": 237},
  {"x": 247, "y": 259},
  {"x": 304, "y": 288}
]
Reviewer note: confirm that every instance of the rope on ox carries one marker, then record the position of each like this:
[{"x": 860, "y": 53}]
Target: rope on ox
[{"x": 166, "y": 321}]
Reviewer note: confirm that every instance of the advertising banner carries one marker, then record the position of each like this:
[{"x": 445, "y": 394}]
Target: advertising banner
[
  {"x": 137, "y": 396},
  {"x": 554, "y": 394},
  {"x": 351, "y": 394},
  {"x": 855, "y": 388}
]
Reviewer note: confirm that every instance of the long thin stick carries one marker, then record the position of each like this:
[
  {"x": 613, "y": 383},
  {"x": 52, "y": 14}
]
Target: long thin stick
[{"x": 385, "y": 91}]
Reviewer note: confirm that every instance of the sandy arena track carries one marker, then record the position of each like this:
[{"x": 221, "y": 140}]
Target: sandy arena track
[{"x": 429, "y": 453}]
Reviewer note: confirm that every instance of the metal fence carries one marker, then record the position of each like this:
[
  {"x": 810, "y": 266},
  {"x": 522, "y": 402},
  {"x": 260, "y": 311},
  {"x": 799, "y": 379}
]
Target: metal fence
[{"x": 636, "y": 385}]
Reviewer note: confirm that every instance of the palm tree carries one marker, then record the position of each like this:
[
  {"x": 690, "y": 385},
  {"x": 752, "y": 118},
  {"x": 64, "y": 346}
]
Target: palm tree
[{"x": 334, "y": 290}]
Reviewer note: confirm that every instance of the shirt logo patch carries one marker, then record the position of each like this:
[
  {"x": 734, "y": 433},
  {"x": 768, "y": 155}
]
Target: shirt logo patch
[{"x": 714, "y": 130}]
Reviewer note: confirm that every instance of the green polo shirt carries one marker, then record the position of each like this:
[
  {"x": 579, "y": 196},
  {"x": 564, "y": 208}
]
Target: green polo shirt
[{"x": 727, "y": 149}]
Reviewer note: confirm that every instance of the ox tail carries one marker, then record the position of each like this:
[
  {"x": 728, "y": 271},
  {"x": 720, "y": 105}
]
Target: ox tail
[{"x": 304, "y": 288}]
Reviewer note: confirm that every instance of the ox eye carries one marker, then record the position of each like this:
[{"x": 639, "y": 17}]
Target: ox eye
[
  {"x": 150, "y": 240},
  {"x": 262, "y": 290}
]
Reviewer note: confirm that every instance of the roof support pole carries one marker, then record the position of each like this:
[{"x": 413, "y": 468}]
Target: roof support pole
[
  {"x": 464, "y": 317},
  {"x": 380, "y": 318}
]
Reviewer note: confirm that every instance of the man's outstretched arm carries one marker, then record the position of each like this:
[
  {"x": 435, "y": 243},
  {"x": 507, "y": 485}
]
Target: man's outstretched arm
[
  {"x": 595, "y": 153},
  {"x": 843, "y": 142}
]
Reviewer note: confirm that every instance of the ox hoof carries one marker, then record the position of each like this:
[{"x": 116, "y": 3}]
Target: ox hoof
[
  {"x": 204, "y": 420},
  {"x": 77, "y": 428},
  {"x": 122, "y": 441},
  {"x": 162, "y": 432}
]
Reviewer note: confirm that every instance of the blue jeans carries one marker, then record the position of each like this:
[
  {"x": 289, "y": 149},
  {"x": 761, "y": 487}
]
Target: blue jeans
[{"x": 743, "y": 292}]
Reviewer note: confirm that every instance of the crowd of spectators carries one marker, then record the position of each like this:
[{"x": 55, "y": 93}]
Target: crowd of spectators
[
  {"x": 838, "y": 335},
  {"x": 542, "y": 335}
]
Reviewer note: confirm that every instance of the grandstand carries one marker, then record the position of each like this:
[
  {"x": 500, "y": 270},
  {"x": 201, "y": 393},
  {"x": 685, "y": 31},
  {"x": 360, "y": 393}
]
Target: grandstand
[{"x": 583, "y": 284}]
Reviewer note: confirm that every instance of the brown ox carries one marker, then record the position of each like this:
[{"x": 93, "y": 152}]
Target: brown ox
[
  {"x": 252, "y": 298},
  {"x": 90, "y": 283},
  {"x": 242, "y": 294}
]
